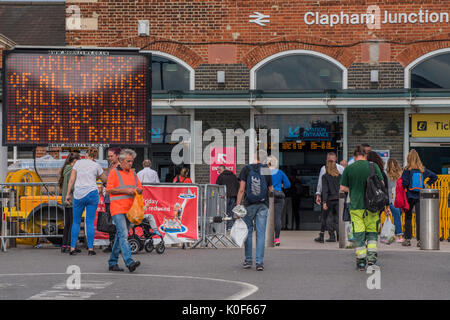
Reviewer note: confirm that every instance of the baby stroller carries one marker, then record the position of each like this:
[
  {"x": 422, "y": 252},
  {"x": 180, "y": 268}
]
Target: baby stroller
[{"x": 142, "y": 236}]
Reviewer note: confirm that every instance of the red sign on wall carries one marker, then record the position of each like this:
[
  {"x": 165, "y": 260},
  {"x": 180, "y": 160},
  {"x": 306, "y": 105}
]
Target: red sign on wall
[
  {"x": 219, "y": 156},
  {"x": 175, "y": 211}
]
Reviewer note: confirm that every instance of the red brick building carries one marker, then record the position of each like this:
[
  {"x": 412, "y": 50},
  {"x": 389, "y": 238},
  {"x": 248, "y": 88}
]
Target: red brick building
[{"x": 362, "y": 71}]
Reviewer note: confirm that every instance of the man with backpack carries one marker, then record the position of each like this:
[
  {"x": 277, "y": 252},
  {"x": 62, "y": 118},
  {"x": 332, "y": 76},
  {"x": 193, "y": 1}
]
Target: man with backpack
[
  {"x": 228, "y": 179},
  {"x": 255, "y": 187},
  {"x": 364, "y": 181}
]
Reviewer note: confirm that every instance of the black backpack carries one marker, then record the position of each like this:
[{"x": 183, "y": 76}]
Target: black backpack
[{"x": 375, "y": 195}]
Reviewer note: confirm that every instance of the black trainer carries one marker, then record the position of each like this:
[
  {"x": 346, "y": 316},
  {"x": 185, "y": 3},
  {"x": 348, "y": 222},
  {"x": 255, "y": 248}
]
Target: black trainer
[
  {"x": 259, "y": 267},
  {"x": 133, "y": 266},
  {"x": 115, "y": 268},
  {"x": 247, "y": 264}
]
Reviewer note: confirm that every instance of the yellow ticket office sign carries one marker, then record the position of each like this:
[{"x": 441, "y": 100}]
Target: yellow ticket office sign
[{"x": 430, "y": 125}]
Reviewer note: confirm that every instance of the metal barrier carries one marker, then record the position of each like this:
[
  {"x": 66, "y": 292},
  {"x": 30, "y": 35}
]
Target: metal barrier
[
  {"x": 443, "y": 185},
  {"x": 214, "y": 217},
  {"x": 30, "y": 211}
]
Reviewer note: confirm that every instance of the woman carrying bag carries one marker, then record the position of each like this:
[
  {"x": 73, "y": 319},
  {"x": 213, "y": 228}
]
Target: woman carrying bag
[
  {"x": 413, "y": 178},
  {"x": 330, "y": 199},
  {"x": 64, "y": 176},
  {"x": 83, "y": 178},
  {"x": 280, "y": 181},
  {"x": 394, "y": 172}
]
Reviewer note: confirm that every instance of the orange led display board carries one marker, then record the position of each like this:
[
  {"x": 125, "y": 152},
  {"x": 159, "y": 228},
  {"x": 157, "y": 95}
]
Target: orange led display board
[{"x": 66, "y": 96}]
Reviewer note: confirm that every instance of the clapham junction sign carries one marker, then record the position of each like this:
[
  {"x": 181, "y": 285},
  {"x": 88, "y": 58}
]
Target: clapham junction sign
[{"x": 375, "y": 17}]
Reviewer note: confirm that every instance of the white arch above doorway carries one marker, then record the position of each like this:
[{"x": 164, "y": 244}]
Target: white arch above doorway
[
  {"x": 409, "y": 67},
  {"x": 297, "y": 52},
  {"x": 180, "y": 62}
]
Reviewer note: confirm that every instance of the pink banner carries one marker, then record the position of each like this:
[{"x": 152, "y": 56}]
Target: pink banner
[{"x": 221, "y": 156}]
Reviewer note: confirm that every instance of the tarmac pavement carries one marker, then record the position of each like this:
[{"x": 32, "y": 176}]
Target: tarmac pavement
[{"x": 299, "y": 269}]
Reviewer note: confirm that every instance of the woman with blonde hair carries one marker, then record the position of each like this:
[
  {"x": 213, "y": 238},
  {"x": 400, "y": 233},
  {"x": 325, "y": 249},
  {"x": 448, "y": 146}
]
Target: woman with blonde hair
[
  {"x": 330, "y": 200},
  {"x": 394, "y": 172},
  {"x": 413, "y": 178}
]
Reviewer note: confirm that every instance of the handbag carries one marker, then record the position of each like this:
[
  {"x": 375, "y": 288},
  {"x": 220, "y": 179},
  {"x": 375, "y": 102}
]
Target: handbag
[
  {"x": 104, "y": 223},
  {"x": 279, "y": 194}
]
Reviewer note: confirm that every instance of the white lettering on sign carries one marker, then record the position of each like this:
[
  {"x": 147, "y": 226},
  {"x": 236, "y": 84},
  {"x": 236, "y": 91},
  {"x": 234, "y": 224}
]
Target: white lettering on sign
[{"x": 373, "y": 17}]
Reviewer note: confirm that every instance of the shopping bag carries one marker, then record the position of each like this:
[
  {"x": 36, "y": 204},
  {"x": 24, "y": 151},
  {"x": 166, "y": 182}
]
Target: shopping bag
[
  {"x": 239, "y": 232},
  {"x": 136, "y": 213},
  {"x": 349, "y": 231},
  {"x": 387, "y": 232},
  {"x": 104, "y": 223}
]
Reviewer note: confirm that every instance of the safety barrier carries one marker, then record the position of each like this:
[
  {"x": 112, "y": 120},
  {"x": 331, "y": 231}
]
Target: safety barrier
[
  {"x": 213, "y": 221},
  {"x": 30, "y": 211},
  {"x": 443, "y": 185}
]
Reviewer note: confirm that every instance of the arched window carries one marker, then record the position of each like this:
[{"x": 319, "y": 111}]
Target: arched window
[
  {"x": 168, "y": 74},
  {"x": 431, "y": 72},
  {"x": 299, "y": 70}
]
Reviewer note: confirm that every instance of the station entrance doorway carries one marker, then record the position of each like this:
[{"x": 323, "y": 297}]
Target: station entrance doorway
[{"x": 305, "y": 141}]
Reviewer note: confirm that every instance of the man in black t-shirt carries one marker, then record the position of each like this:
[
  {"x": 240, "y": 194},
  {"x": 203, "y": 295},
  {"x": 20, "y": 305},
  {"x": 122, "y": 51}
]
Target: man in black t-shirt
[{"x": 255, "y": 187}]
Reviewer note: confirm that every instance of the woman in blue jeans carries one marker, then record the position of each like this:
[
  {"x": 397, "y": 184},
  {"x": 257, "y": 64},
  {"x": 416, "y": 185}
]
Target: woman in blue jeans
[
  {"x": 394, "y": 172},
  {"x": 83, "y": 178}
]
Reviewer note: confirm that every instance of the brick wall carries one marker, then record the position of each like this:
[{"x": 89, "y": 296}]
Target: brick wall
[
  {"x": 222, "y": 120},
  {"x": 189, "y": 28},
  {"x": 390, "y": 76},
  {"x": 375, "y": 121},
  {"x": 237, "y": 77}
]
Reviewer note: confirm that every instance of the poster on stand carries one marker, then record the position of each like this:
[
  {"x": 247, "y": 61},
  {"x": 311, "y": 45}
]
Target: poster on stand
[{"x": 174, "y": 208}]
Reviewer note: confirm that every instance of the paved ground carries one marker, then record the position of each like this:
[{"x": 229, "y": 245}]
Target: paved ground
[{"x": 296, "y": 270}]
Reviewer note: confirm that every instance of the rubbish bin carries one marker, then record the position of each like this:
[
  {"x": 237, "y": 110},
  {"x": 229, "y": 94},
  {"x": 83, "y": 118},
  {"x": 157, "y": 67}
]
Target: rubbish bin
[{"x": 429, "y": 219}]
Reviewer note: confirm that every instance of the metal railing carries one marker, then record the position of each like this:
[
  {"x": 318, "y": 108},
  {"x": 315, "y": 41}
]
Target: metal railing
[
  {"x": 211, "y": 214},
  {"x": 30, "y": 211},
  {"x": 213, "y": 219}
]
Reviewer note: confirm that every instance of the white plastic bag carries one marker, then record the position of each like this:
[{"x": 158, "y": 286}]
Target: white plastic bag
[
  {"x": 239, "y": 232},
  {"x": 387, "y": 232}
]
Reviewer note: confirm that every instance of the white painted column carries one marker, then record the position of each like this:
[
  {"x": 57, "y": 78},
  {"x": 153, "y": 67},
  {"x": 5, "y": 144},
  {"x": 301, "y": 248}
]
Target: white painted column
[
  {"x": 3, "y": 152},
  {"x": 406, "y": 136},
  {"x": 192, "y": 144},
  {"x": 252, "y": 138},
  {"x": 345, "y": 134}
]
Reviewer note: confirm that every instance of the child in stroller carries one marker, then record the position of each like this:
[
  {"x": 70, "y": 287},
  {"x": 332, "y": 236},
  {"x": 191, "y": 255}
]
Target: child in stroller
[{"x": 142, "y": 236}]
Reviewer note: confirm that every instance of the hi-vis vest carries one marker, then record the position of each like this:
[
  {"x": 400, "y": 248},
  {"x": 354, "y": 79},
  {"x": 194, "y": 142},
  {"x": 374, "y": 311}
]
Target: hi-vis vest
[{"x": 115, "y": 197}]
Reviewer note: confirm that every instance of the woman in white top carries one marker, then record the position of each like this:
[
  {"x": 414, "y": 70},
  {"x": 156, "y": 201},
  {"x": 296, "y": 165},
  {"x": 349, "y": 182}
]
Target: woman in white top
[{"x": 84, "y": 176}]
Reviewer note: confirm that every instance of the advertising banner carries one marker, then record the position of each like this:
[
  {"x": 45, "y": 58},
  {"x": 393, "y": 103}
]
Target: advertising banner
[
  {"x": 174, "y": 208},
  {"x": 219, "y": 156}
]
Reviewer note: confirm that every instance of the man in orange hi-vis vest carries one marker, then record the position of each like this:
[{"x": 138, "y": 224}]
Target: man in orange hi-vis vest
[{"x": 122, "y": 186}]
